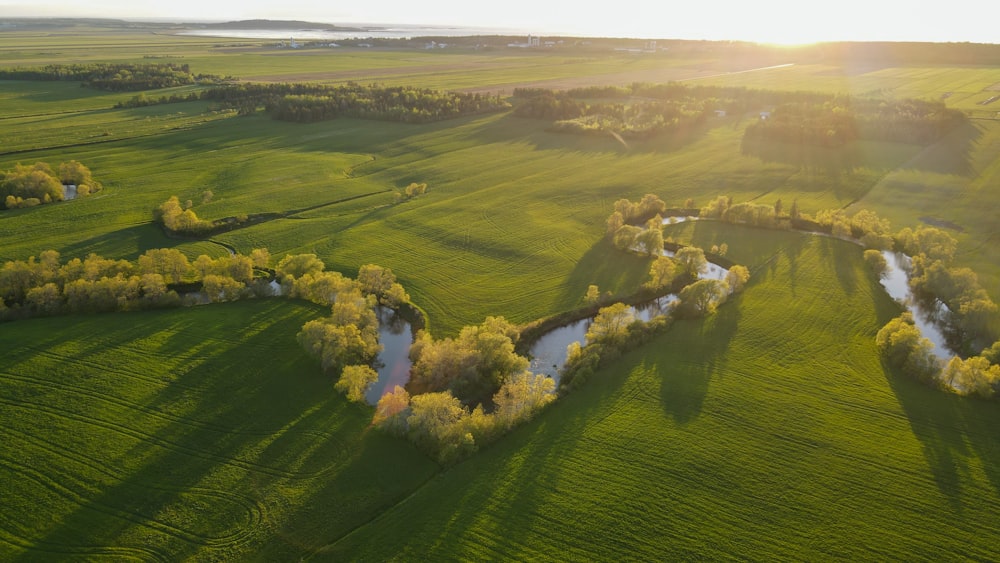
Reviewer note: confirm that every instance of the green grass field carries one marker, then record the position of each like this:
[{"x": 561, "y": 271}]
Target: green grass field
[
  {"x": 200, "y": 433},
  {"x": 768, "y": 431},
  {"x": 761, "y": 432}
]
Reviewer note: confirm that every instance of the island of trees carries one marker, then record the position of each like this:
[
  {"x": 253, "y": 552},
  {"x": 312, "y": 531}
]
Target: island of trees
[{"x": 28, "y": 186}]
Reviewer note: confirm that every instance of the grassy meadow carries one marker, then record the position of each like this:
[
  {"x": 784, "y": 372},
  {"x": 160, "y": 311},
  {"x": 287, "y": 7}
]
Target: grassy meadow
[
  {"x": 770, "y": 430},
  {"x": 200, "y": 433}
]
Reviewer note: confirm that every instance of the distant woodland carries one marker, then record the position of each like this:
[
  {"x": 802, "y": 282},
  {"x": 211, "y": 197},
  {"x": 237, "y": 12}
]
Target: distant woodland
[
  {"x": 117, "y": 77},
  {"x": 811, "y": 118}
]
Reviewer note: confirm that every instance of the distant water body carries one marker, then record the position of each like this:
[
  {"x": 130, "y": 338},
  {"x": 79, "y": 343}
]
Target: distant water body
[{"x": 374, "y": 32}]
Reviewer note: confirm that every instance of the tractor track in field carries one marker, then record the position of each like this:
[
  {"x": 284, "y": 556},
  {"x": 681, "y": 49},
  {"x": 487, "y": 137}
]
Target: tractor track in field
[
  {"x": 83, "y": 391},
  {"x": 170, "y": 445},
  {"x": 70, "y": 494}
]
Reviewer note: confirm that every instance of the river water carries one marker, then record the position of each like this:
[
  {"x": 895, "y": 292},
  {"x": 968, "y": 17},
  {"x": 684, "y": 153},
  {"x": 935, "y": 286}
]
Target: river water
[
  {"x": 548, "y": 354},
  {"x": 932, "y": 319},
  {"x": 393, "y": 362}
]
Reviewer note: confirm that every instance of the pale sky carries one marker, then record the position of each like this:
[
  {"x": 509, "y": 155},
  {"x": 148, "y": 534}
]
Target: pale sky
[{"x": 779, "y": 21}]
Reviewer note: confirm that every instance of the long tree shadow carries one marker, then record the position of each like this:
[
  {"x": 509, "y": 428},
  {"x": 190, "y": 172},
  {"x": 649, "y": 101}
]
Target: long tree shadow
[
  {"x": 137, "y": 239},
  {"x": 700, "y": 348},
  {"x": 198, "y": 456},
  {"x": 519, "y": 467},
  {"x": 952, "y": 431},
  {"x": 951, "y": 154},
  {"x": 537, "y": 133},
  {"x": 608, "y": 268},
  {"x": 842, "y": 255}
]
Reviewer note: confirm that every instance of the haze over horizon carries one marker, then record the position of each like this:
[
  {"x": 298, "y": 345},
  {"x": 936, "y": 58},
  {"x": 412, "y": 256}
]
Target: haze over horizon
[{"x": 770, "y": 21}]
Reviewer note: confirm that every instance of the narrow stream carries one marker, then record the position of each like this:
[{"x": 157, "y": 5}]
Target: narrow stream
[
  {"x": 549, "y": 352},
  {"x": 931, "y": 320}
]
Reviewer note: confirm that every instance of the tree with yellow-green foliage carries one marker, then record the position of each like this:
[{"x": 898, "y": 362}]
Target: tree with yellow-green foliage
[
  {"x": 903, "y": 347},
  {"x": 355, "y": 381},
  {"x": 974, "y": 376}
]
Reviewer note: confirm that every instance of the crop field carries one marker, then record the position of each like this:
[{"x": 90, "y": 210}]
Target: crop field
[
  {"x": 199, "y": 433},
  {"x": 759, "y": 432},
  {"x": 770, "y": 430},
  {"x": 521, "y": 237}
]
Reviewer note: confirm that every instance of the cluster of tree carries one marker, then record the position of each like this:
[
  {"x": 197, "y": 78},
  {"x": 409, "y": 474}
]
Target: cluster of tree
[
  {"x": 978, "y": 375},
  {"x": 876, "y": 261},
  {"x": 28, "y": 186},
  {"x": 473, "y": 366},
  {"x": 47, "y": 286},
  {"x": 637, "y": 119},
  {"x": 902, "y": 346},
  {"x": 864, "y": 226},
  {"x": 616, "y": 329},
  {"x": 115, "y": 76},
  {"x": 702, "y": 298},
  {"x": 317, "y": 102},
  {"x": 746, "y": 213},
  {"x": 182, "y": 219},
  {"x": 348, "y": 337},
  {"x": 622, "y": 229},
  {"x": 835, "y": 122},
  {"x": 626, "y": 211},
  {"x": 411, "y": 191},
  {"x": 440, "y": 424},
  {"x": 647, "y": 240},
  {"x": 932, "y": 275},
  {"x": 142, "y": 100},
  {"x": 347, "y": 341}
]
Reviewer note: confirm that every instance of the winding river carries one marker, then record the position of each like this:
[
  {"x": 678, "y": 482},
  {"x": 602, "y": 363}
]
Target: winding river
[{"x": 548, "y": 354}]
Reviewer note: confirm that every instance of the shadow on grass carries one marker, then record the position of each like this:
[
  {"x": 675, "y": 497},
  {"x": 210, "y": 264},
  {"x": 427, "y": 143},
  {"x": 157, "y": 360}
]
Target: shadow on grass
[
  {"x": 516, "y": 475},
  {"x": 127, "y": 243},
  {"x": 953, "y": 431},
  {"x": 233, "y": 440},
  {"x": 536, "y": 133},
  {"x": 608, "y": 268},
  {"x": 704, "y": 344},
  {"x": 843, "y": 256},
  {"x": 951, "y": 155}
]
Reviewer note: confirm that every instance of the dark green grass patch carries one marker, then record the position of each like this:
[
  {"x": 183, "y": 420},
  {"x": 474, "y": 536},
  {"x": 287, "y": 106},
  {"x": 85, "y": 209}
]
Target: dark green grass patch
[
  {"x": 768, "y": 431},
  {"x": 200, "y": 433}
]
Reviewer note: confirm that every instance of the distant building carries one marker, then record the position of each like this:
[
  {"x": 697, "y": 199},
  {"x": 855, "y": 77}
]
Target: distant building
[
  {"x": 720, "y": 113},
  {"x": 532, "y": 42}
]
